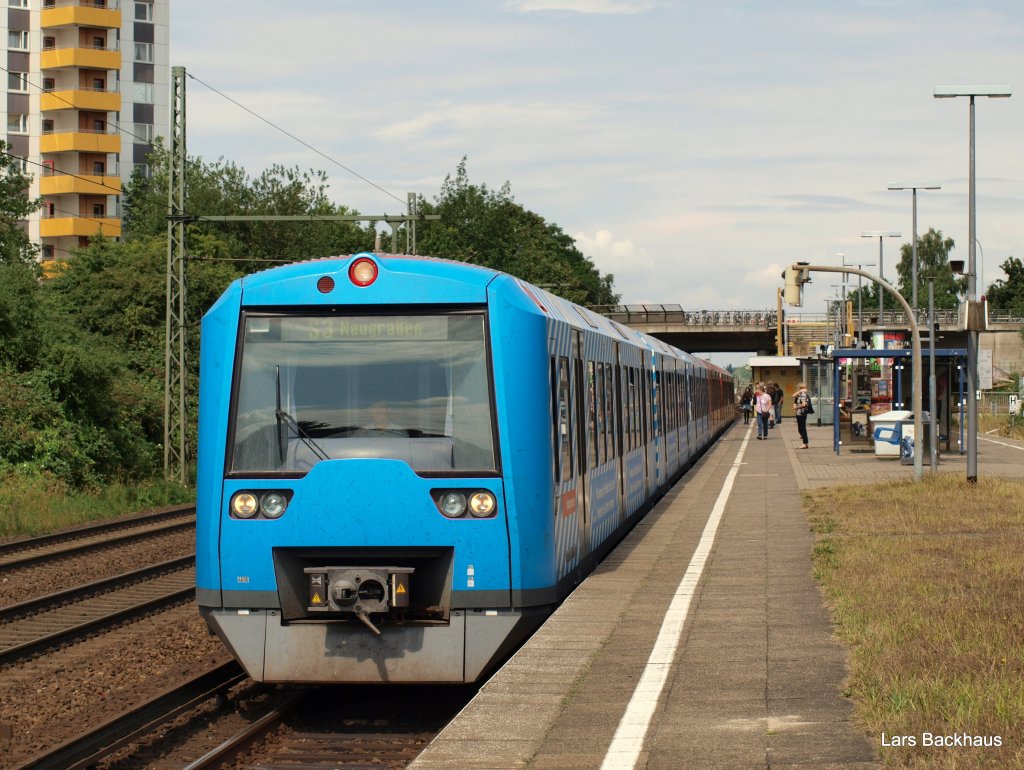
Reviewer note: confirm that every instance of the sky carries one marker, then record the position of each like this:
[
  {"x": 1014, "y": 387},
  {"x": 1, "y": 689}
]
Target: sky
[{"x": 692, "y": 149}]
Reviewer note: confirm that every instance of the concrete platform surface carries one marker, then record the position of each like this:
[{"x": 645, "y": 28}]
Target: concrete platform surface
[{"x": 755, "y": 677}]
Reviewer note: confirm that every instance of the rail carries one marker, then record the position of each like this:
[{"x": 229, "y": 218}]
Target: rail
[
  {"x": 88, "y": 748},
  {"x": 19, "y": 553}
]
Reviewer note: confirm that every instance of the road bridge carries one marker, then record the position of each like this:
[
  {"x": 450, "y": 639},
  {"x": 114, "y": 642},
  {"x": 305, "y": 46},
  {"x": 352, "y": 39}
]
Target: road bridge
[{"x": 738, "y": 331}]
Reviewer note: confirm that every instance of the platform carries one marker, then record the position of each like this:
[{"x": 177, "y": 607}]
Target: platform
[{"x": 755, "y": 679}]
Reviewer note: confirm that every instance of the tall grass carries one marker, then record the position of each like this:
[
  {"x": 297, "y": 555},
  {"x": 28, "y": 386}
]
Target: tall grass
[
  {"x": 34, "y": 505},
  {"x": 926, "y": 584}
]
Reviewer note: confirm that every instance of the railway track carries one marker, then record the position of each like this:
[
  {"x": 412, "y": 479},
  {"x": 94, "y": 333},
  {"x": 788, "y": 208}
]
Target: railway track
[
  {"x": 47, "y": 622},
  {"x": 19, "y": 553},
  {"x": 93, "y": 745}
]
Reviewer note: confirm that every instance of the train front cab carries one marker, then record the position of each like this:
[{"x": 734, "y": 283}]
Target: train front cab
[{"x": 328, "y": 551}]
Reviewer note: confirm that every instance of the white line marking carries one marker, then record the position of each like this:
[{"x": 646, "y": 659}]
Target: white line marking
[
  {"x": 1002, "y": 443},
  {"x": 628, "y": 742}
]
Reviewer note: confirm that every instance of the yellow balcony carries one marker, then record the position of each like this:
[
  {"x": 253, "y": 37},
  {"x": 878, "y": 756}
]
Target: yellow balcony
[
  {"x": 83, "y": 15},
  {"x": 55, "y": 227},
  {"x": 79, "y": 141},
  {"x": 91, "y": 58},
  {"x": 100, "y": 101},
  {"x": 83, "y": 184}
]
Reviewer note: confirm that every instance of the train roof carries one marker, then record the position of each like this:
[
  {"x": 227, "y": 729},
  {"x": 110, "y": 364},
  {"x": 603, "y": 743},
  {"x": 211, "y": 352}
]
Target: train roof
[{"x": 261, "y": 285}]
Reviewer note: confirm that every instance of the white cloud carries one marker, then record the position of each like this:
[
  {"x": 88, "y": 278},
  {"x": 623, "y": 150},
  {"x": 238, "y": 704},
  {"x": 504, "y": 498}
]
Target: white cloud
[{"x": 584, "y": 6}]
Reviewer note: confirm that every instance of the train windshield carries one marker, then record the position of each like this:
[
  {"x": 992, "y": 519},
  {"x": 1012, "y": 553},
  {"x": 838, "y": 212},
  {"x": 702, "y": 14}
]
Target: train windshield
[{"x": 414, "y": 388}]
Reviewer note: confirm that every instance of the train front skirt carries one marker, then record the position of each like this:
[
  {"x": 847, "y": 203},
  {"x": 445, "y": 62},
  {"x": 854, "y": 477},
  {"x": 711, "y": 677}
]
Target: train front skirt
[{"x": 464, "y": 648}]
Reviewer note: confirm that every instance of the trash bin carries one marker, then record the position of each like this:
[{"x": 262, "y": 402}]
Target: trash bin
[
  {"x": 887, "y": 431},
  {"x": 907, "y": 440}
]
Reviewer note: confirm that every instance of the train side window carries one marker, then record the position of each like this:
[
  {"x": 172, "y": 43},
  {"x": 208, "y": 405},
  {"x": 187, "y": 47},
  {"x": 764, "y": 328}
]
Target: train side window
[
  {"x": 670, "y": 401},
  {"x": 564, "y": 418},
  {"x": 634, "y": 410},
  {"x": 645, "y": 389},
  {"x": 622, "y": 394},
  {"x": 580, "y": 406},
  {"x": 556, "y": 420}
]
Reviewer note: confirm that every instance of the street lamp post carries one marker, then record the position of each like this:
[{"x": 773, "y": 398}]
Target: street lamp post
[
  {"x": 913, "y": 243},
  {"x": 880, "y": 234},
  {"x": 860, "y": 297},
  {"x": 947, "y": 92}
]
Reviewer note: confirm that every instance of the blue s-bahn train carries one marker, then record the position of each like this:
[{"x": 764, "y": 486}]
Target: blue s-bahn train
[{"x": 405, "y": 463}]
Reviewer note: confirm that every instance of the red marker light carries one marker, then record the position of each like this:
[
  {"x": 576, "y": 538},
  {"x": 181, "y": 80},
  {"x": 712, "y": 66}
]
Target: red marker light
[
  {"x": 325, "y": 284},
  {"x": 363, "y": 272}
]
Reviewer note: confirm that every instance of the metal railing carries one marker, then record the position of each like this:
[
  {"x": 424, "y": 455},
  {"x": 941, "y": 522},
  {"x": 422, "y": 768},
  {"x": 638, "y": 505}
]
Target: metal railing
[{"x": 674, "y": 314}]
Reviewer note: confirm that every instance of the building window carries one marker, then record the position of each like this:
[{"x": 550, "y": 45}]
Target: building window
[
  {"x": 99, "y": 84},
  {"x": 17, "y": 39},
  {"x": 47, "y": 126},
  {"x": 144, "y": 52},
  {"x": 144, "y": 12},
  {"x": 17, "y": 3},
  {"x": 143, "y": 93},
  {"x": 98, "y": 209},
  {"x": 144, "y": 132},
  {"x": 141, "y": 169},
  {"x": 17, "y": 81},
  {"x": 49, "y": 43},
  {"x": 99, "y": 41},
  {"x": 17, "y": 123},
  {"x": 47, "y": 251},
  {"x": 49, "y": 84},
  {"x": 99, "y": 168},
  {"x": 49, "y": 209},
  {"x": 99, "y": 125}
]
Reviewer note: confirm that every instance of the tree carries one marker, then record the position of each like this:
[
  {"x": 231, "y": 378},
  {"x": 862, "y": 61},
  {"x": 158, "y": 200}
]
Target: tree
[
  {"x": 224, "y": 189},
  {"x": 487, "y": 227},
  {"x": 1008, "y": 294},
  {"x": 933, "y": 263},
  {"x": 15, "y": 207}
]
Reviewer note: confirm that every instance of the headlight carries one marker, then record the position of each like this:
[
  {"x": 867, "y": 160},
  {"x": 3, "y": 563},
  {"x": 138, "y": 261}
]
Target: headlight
[
  {"x": 273, "y": 505},
  {"x": 453, "y": 504},
  {"x": 244, "y": 505},
  {"x": 481, "y": 504}
]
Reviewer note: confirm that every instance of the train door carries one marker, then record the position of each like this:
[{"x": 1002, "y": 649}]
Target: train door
[
  {"x": 622, "y": 435},
  {"x": 584, "y": 404},
  {"x": 691, "y": 413}
]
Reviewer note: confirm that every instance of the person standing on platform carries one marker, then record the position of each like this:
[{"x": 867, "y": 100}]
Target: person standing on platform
[
  {"x": 777, "y": 396},
  {"x": 763, "y": 409},
  {"x": 802, "y": 407},
  {"x": 747, "y": 403}
]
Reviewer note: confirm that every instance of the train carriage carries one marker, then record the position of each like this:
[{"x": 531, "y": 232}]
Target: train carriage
[{"x": 405, "y": 463}]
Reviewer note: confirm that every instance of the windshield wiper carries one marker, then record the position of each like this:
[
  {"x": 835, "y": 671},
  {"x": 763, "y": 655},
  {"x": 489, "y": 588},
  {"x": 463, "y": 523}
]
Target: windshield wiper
[{"x": 283, "y": 418}]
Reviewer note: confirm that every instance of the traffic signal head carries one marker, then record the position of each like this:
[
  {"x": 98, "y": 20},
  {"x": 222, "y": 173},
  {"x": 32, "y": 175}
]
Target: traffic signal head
[{"x": 796, "y": 276}]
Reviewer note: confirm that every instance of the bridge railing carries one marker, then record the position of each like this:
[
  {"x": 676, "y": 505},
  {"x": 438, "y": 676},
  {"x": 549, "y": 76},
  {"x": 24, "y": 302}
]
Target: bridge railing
[{"x": 675, "y": 314}]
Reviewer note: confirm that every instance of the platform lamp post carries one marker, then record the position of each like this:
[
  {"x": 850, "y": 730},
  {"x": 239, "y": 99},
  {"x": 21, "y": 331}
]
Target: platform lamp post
[
  {"x": 972, "y": 91},
  {"x": 880, "y": 235},
  {"x": 913, "y": 244}
]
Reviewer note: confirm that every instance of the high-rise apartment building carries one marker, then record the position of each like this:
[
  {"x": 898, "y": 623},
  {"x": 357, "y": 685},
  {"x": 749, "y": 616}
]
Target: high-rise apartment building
[{"x": 87, "y": 92}]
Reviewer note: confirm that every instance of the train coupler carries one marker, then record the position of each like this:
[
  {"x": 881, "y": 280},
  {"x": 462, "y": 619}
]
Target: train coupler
[{"x": 359, "y": 591}]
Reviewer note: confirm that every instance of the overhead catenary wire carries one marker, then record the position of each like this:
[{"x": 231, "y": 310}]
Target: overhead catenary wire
[{"x": 287, "y": 133}]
